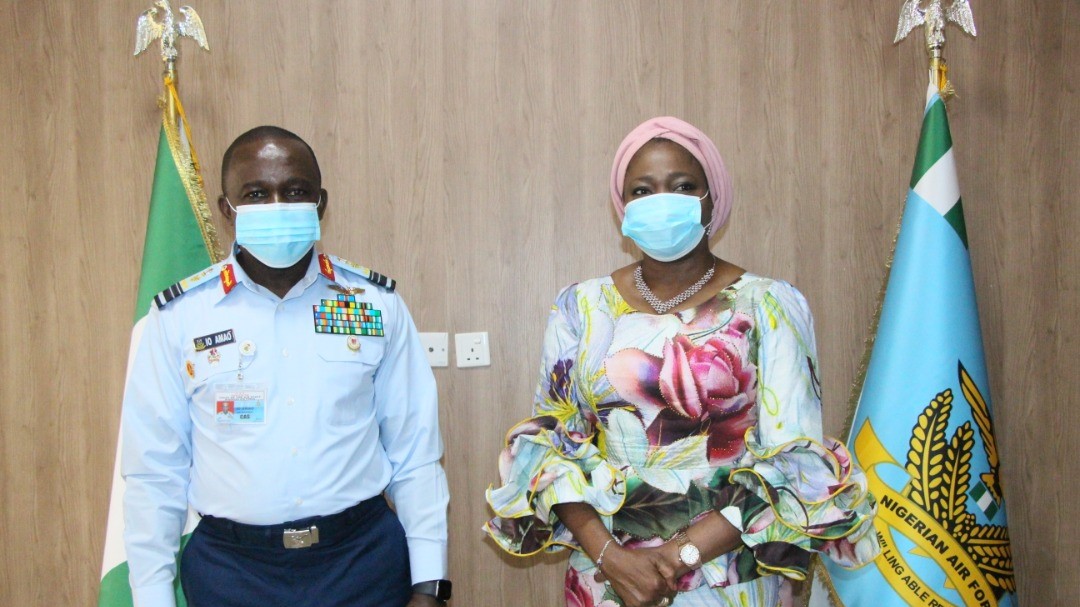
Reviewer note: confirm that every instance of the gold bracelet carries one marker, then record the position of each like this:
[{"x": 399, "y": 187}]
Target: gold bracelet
[{"x": 600, "y": 558}]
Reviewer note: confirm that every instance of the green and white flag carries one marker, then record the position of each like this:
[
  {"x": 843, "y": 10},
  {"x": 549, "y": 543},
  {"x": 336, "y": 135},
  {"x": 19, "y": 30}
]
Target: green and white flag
[
  {"x": 180, "y": 241},
  {"x": 923, "y": 430}
]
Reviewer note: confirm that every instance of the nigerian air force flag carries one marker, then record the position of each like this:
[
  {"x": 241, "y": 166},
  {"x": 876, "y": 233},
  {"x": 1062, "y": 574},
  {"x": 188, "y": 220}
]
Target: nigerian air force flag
[
  {"x": 922, "y": 430},
  {"x": 179, "y": 242}
]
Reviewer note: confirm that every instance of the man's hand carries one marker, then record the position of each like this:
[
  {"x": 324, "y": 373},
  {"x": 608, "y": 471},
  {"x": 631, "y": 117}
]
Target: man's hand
[{"x": 424, "y": 600}]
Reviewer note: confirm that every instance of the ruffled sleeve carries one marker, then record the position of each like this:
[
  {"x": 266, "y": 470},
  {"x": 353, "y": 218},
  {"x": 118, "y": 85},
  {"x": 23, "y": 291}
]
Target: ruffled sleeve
[
  {"x": 551, "y": 458},
  {"x": 795, "y": 491}
]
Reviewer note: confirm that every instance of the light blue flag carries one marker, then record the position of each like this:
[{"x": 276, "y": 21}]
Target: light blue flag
[{"x": 922, "y": 430}]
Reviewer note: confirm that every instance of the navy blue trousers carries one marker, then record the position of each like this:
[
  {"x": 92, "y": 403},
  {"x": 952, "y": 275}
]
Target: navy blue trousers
[{"x": 366, "y": 567}]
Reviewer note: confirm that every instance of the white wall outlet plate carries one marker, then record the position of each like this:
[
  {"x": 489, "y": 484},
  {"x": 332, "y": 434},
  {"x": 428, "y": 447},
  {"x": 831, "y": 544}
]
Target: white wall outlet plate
[
  {"x": 472, "y": 349},
  {"x": 437, "y": 348}
]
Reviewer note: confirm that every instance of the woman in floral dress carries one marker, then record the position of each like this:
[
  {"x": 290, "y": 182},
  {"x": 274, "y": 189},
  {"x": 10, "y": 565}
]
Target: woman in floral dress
[{"x": 676, "y": 441}]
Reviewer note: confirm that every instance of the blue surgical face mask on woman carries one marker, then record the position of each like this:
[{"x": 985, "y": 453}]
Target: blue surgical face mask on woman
[
  {"x": 278, "y": 234},
  {"x": 665, "y": 226}
]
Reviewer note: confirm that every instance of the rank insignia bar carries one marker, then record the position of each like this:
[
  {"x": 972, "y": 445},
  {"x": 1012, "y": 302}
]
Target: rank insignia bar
[
  {"x": 178, "y": 289},
  {"x": 346, "y": 316}
]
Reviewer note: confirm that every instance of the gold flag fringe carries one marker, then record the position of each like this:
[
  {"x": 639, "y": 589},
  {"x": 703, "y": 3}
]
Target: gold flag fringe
[
  {"x": 868, "y": 344},
  {"x": 187, "y": 165}
]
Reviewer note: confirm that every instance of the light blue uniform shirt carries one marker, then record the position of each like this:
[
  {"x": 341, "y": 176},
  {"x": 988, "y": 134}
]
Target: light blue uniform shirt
[{"x": 345, "y": 418}]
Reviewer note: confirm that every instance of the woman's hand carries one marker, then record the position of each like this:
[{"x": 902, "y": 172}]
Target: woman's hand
[{"x": 642, "y": 577}]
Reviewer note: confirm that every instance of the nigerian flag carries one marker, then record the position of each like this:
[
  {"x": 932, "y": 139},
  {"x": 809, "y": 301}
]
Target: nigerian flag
[
  {"x": 922, "y": 430},
  {"x": 180, "y": 241}
]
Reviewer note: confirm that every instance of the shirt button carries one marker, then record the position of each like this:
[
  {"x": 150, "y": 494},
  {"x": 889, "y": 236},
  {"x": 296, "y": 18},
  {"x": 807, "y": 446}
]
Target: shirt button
[
  {"x": 285, "y": 352},
  {"x": 295, "y": 451},
  {"x": 291, "y": 401},
  {"x": 299, "y": 501}
]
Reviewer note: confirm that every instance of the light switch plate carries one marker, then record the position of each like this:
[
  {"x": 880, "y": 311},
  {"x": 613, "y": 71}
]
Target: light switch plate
[
  {"x": 437, "y": 348},
  {"x": 472, "y": 349}
]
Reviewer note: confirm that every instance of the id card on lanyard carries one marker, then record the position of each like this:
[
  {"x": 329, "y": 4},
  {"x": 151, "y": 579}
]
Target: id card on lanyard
[{"x": 240, "y": 404}]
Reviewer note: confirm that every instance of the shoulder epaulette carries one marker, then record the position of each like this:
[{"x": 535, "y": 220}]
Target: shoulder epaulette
[
  {"x": 367, "y": 273},
  {"x": 178, "y": 289}
]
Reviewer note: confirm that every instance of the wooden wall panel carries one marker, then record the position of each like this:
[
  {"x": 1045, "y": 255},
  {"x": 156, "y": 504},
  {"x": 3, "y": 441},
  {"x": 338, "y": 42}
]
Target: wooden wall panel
[{"x": 466, "y": 146}]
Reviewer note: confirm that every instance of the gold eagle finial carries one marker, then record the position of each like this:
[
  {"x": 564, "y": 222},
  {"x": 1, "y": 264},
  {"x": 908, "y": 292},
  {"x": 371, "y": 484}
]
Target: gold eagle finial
[
  {"x": 933, "y": 18},
  {"x": 148, "y": 28}
]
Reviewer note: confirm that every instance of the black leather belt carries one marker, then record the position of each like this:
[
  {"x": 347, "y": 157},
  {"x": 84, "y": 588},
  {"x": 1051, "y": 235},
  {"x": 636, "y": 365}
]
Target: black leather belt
[{"x": 302, "y": 533}]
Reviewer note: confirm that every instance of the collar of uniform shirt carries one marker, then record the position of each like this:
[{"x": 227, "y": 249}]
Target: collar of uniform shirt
[{"x": 242, "y": 278}]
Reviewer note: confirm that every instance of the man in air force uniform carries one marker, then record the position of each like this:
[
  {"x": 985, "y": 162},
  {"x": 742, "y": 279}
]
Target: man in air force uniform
[{"x": 280, "y": 393}]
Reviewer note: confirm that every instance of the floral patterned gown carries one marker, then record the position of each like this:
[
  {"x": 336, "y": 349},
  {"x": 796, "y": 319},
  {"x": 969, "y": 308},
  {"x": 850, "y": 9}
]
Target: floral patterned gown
[{"x": 656, "y": 420}]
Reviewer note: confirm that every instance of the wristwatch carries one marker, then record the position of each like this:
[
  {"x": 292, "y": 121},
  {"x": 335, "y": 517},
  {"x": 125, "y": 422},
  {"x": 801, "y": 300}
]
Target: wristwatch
[
  {"x": 440, "y": 589},
  {"x": 688, "y": 552}
]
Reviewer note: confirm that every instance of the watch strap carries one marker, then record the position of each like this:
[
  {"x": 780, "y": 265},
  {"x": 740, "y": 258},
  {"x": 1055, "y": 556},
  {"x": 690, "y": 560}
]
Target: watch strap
[{"x": 440, "y": 589}]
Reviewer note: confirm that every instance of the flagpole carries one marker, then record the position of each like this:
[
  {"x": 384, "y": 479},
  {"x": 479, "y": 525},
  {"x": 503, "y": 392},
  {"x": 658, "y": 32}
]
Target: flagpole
[
  {"x": 159, "y": 23},
  {"x": 933, "y": 19},
  {"x": 180, "y": 241},
  {"x": 170, "y": 100}
]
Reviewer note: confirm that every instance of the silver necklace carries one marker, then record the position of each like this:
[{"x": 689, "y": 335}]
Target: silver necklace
[{"x": 662, "y": 307}]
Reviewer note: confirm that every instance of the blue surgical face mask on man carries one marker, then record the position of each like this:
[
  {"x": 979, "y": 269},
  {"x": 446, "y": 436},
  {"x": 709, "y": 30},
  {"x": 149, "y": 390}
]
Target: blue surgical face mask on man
[
  {"x": 278, "y": 234},
  {"x": 665, "y": 226}
]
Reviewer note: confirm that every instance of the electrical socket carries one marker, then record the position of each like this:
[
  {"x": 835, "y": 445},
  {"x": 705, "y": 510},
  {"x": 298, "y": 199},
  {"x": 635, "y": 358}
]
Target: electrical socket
[
  {"x": 472, "y": 349},
  {"x": 437, "y": 348}
]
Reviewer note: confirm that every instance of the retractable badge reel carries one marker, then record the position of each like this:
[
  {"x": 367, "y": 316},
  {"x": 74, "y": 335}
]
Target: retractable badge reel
[{"x": 241, "y": 403}]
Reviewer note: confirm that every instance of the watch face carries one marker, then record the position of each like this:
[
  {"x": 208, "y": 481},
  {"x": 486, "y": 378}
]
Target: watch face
[{"x": 690, "y": 555}]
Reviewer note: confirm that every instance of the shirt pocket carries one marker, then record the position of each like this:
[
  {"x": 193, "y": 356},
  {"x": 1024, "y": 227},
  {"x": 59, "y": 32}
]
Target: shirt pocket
[
  {"x": 347, "y": 376},
  {"x": 204, "y": 369},
  {"x": 203, "y": 372}
]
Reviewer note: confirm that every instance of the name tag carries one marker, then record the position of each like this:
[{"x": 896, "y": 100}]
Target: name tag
[
  {"x": 240, "y": 404},
  {"x": 213, "y": 340}
]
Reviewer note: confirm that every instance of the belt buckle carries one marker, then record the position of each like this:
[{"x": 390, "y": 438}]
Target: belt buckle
[{"x": 300, "y": 538}]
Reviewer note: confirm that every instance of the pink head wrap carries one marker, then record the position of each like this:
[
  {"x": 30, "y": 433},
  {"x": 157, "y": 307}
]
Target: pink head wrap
[{"x": 695, "y": 142}]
